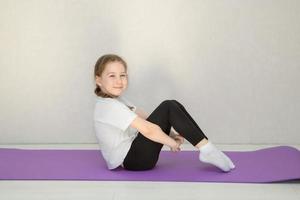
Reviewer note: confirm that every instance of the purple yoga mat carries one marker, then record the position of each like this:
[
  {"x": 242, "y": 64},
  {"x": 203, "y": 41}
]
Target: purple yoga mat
[{"x": 266, "y": 165}]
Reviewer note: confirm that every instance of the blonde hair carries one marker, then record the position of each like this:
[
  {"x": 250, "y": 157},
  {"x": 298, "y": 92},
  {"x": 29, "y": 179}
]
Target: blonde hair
[{"x": 100, "y": 67}]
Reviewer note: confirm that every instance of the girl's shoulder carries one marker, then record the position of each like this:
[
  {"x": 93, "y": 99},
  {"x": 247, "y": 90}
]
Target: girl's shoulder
[
  {"x": 104, "y": 99},
  {"x": 114, "y": 102},
  {"x": 111, "y": 101}
]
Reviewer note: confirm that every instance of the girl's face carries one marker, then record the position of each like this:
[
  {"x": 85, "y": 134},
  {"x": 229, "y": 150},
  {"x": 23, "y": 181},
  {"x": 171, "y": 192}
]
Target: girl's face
[{"x": 113, "y": 80}]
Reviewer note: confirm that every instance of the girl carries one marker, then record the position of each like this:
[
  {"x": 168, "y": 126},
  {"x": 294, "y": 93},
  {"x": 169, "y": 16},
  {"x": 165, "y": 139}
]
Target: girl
[{"x": 133, "y": 140}]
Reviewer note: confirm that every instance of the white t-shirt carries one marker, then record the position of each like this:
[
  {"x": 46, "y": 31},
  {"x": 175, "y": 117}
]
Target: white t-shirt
[{"x": 112, "y": 119}]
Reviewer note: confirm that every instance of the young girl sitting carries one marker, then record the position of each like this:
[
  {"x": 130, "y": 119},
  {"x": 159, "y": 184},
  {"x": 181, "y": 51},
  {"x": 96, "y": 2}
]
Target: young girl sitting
[{"x": 133, "y": 140}]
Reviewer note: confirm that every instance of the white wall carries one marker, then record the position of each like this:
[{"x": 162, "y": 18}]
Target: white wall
[{"x": 233, "y": 64}]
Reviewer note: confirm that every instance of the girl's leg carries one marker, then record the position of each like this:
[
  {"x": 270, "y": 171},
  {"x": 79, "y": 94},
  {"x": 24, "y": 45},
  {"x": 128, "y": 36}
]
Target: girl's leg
[
  {"x": 189, "y": 116},
  {"x": 202, "y": 142},
  {"x": 209, "y": 153},
  {"x": 144, "y": 152}
]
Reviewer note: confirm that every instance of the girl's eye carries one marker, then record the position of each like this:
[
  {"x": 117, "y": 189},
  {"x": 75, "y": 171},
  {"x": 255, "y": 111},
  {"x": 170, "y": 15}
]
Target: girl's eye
[{"x": 123, "y": 75}]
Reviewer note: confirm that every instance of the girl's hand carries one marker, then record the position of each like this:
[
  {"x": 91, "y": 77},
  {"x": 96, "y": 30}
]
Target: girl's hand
[
  {"x": 175, "y": 147},
  {"x": 179, "y": 139}
]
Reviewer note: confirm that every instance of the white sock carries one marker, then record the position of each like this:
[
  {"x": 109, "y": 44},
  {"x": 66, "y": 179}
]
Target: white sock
[{"x": 210, "y": 154}]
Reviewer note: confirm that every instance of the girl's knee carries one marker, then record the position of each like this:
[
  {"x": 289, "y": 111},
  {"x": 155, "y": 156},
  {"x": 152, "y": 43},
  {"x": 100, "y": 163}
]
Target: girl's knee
[
  {"x": 165, "y": 103},
  {"x": 169, "y": 102}
]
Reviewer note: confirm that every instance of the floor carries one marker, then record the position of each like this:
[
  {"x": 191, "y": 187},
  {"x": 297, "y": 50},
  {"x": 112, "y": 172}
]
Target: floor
[{"x": 75, "y": 190}]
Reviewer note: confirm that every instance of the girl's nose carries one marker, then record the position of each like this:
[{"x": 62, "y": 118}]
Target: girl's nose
[{"x": 119, "y": 80}]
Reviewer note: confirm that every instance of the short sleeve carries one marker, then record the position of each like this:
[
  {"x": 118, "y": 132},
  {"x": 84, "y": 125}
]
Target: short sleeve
[{"x": 115, "y": 114}]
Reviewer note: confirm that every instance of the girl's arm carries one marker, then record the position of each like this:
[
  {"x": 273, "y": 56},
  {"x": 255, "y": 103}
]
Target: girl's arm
[
  {"x": 141, "y": 113},
  {"x": 154, "y": 133},
  {"x": 173, "y": 134}
]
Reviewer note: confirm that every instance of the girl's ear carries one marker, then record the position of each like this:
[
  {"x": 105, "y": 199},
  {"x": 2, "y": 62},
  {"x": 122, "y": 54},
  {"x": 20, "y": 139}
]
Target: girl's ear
[{"x": 98, "y": 80}]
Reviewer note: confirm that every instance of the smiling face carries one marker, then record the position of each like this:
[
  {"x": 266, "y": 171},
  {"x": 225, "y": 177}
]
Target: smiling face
[{"x": 113, "y": 81}]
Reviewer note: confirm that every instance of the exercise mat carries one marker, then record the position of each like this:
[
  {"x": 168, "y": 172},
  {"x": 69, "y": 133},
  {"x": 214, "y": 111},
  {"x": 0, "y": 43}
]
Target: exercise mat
[{"x": 275, "y": 164}]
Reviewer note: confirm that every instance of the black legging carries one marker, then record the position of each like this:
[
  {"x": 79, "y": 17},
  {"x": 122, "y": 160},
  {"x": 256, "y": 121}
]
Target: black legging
[{"x": 143, "y": 153}]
